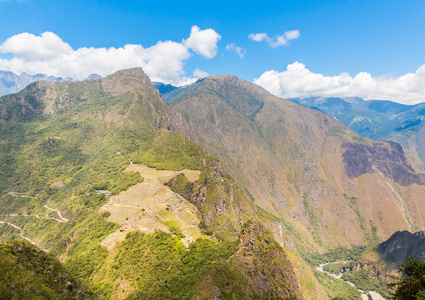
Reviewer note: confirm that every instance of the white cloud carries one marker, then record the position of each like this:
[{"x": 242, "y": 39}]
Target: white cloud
[
  {"x": 280, "y": 40},
  {"x": 29, "y": 46},
  {"x": 238, "y": 50},
  {"x": 203, "y": 42},
  {"x": 50, "y": 55},
  {"x": 258, "y": 37},
  {"x": 298, "y": 81},
  {"x": 197, "y": 73},
  {"x": 292, "y": 35}
]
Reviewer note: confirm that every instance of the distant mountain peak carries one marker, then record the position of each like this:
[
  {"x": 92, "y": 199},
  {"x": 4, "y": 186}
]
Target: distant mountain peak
[
  {"x": 125, "y": 81},
  {"x": 134, "y": 73},
  {"x": 93, "y": 77},
  {"x": 11, "y": 83}
]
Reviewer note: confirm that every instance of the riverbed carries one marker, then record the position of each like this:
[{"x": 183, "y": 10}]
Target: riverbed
[{"x": 369, "y": 295}]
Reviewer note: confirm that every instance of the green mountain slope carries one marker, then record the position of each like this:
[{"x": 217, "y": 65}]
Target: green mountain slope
[{"x": 64, "y": 148}]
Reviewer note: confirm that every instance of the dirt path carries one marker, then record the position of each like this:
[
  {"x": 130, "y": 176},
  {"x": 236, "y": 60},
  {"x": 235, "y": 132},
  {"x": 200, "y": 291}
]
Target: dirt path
[
  {"x": 14, "y": 194},
  {"x": 63, "y": 220},
  {"x": 20, "y": 230}
]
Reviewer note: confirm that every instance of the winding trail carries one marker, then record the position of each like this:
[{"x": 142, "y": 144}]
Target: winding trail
[
  {"x": 63, "y": 220},
  {"x": 20, "y": 230}
]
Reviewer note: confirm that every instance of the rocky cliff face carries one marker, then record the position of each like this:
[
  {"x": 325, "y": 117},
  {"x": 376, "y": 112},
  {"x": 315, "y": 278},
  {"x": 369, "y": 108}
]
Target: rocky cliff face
[
  {"x": 264, "y": 263},
  {"x": 392, "y": 162},
  {"x": 42, "y": 98},
  {"x": 223, "y": 206}
]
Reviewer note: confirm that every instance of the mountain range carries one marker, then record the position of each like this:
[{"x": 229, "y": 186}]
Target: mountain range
[
  {"x": 11, "y": 83},
  {"x": 226, "y": 191}
]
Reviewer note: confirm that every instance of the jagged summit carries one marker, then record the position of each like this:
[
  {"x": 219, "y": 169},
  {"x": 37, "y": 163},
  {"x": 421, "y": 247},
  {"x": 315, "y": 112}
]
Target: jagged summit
[
  {"x": 133, "y": 73},
  {"x": 223, "y": 82},
  {"x": 128, "y": 80}
]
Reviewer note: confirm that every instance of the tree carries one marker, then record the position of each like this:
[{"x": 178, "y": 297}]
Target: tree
[{"x": 411, "y": 284}]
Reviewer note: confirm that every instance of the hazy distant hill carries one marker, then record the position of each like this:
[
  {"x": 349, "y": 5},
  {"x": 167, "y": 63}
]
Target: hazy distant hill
[
  {"x": 12, "y": 83},
  {"x": 164, "y": 89},
  {"x": 377, "y": 119}
]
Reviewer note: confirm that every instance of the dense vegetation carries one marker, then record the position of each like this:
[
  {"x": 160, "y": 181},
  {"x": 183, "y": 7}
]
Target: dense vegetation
[
  {"x": 29, "y": 273},
  {"x": 338, "y": 254},
  {"x": 337, "y": 288},
  {"x": 366, "y": 282},
  {"x": 411, "y": 283},
  {"x": 158, "y": 266},
  {"x": 60, "y": 160},
  {"x": 173, "y": 151}
]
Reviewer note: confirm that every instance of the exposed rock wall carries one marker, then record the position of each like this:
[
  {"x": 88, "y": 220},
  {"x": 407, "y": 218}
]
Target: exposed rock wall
[{"x": 360, "y": 159}]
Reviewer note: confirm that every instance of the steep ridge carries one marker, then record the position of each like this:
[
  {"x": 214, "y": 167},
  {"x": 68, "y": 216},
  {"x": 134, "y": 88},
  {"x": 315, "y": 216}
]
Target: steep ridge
[
  {"x": 402, "y": 244},
  {"x": 65, "y": 146},
  {"x": 303, "y": 166}
]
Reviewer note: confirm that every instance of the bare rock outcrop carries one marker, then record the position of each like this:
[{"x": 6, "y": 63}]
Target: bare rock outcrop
[{"x": 361, "y": 158}]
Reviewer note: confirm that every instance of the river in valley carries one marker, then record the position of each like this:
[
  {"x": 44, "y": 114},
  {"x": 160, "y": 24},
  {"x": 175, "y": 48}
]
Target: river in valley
[{"x": 369, "y": 295}]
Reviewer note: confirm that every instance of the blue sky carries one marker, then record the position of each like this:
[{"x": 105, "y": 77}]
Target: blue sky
[{"x": 372, "y": 49}]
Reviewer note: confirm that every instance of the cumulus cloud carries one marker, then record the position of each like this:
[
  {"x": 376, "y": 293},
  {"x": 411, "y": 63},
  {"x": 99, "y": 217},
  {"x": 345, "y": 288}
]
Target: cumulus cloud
[
  {"x": 29, "y": 46},
  {"x": 279, "y": 40},
  {"x": 203, "y": 42},
  {"x": 258, "y": 37},
  {"x": 48, "y": 54},
  {"x": 298, "y": 81},
  {"x": 238, "y": 50}
]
